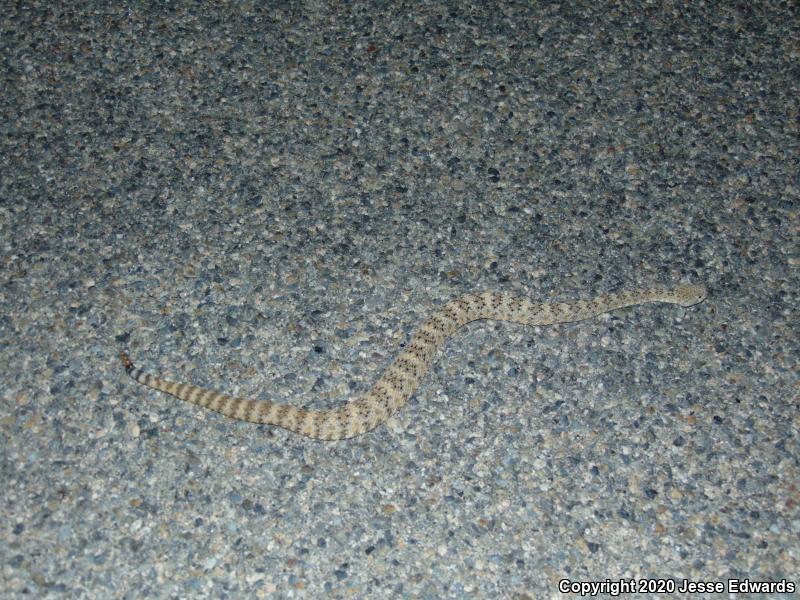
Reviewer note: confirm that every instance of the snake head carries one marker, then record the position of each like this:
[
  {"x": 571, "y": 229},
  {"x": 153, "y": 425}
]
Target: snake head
[
  {"x": 689, "y": 295},
  {"x": 126, "y": 362}
]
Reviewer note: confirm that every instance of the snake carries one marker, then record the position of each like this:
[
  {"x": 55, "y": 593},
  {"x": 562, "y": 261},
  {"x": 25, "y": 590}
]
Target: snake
[{"x": 401, "y": 378}]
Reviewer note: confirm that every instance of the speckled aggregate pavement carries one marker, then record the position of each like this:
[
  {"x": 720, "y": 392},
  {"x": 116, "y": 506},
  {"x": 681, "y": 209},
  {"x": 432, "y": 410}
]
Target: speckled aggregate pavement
[{"x": 267, "y": 198}]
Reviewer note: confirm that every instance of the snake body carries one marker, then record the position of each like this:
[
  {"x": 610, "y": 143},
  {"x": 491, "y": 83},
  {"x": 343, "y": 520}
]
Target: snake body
[{"x": 401, "y": 379}]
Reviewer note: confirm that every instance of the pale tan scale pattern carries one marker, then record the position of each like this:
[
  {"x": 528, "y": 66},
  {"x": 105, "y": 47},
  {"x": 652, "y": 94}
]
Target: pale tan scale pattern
[{"x": 399, "y": 382}]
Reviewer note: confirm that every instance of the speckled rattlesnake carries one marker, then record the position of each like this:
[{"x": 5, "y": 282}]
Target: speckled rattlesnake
[{"x": 401, "y": 379}]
